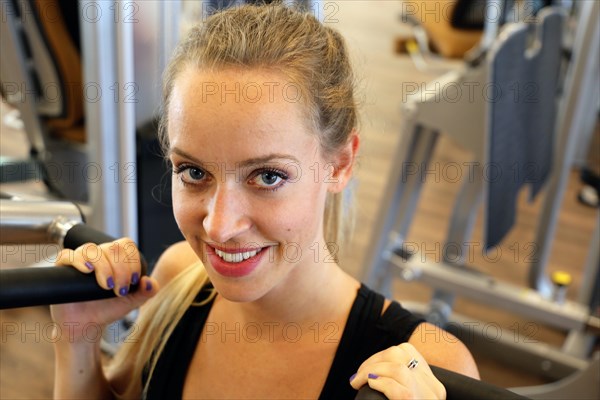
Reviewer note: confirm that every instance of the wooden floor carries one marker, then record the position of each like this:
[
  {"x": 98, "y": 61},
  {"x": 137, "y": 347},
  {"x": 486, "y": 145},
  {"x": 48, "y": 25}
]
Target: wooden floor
[{"x": 26, "y": 358}]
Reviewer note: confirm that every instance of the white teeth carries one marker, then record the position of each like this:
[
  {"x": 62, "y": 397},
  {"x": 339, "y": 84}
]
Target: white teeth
[{"x": 236, "y": 257}]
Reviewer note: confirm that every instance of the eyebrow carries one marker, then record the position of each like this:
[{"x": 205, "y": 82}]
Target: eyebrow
[{"x": 244, "y": 164}]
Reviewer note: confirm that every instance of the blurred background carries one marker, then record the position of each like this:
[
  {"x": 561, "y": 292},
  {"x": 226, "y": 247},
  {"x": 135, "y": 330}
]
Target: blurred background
[{"x": 103, "y": 154}]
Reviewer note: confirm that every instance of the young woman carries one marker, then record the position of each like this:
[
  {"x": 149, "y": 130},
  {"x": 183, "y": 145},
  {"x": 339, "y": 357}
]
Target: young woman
[{"x": 260, "y": 128}]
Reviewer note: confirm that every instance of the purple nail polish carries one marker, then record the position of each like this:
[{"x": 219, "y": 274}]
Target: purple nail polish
[
  {"x": 352, "y": 377},
  {"x": 373, "y": 376},
  {"x": 89, "y": 265},
  {"x": 123, "y": 291},
  {"x": 110, "y": 282},
  {"x": 148, "y": 286},
  {"x": 135, "y": 278}
]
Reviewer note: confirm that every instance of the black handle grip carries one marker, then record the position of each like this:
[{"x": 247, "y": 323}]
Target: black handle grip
[
  {"x": 458, "y": 387},
  {"x": 81, "y": 234},
  {"x": 366, "y": 393},
  {"x": 462, "y": 387},
  {"x": 33, "y": 286}
]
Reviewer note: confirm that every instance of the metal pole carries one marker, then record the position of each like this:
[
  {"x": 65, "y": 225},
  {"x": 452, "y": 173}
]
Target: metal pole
[
  {"x": 36, "y": 222},
  {"x": 577, "y": 106}
]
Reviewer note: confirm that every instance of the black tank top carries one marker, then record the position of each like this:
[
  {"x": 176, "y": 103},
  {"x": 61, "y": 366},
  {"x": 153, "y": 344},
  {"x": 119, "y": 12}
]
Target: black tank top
[{"x": 366, "y": 333}]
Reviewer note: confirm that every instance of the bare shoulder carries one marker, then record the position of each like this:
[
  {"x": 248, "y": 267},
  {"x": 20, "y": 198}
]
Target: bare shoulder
[
  {"x": 174, "y": 260},
  {"x": 444, "y": 350}
]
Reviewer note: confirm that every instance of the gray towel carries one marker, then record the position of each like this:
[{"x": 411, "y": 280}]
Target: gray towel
[{"x": 522, "y": 113}]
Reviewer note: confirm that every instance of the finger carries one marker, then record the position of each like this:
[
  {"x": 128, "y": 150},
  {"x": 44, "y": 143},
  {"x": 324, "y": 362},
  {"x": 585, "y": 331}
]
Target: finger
[
  {"x": 392, "y": 370},
  {"x": 83, "y": 258},
  {"x": 110, "y": 274},
  {"x": 391, "y": 389},
  {"x": 123, "y": 251},
  {"x": 87, "y": 258},
  {"x": 67, "y": 257},
  {"x": 124, "y": 258},
  {"x": 148, "y": 287},
  {"x": 398, "y": 381},
  {"x": 398, "y": 356},
  {"x": 360, "y": 377},
  {"x": 417, "y": 379},
  {"x": 105, "y": 271},
  {"x": 402, "y": 353},
  {"x": 414, "y": 354}
]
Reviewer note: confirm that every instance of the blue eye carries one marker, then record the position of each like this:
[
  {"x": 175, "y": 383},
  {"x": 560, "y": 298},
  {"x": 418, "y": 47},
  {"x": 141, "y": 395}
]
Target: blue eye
[
  {"x": 195, "y": 173},
  {"x": 269, "y": 179},
  {"x": 190, "y": 175}
]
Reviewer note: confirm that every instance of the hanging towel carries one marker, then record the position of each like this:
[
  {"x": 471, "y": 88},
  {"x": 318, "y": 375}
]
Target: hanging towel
[{"x": 522, "y": 106}]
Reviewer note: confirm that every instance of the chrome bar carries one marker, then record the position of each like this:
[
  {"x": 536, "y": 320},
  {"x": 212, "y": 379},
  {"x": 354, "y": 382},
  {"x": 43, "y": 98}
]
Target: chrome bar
[{"x": 36, "y": 221}]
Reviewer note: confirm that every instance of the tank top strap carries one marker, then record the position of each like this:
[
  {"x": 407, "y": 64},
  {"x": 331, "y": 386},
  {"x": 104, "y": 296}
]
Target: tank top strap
[
  {"x": 354, "y": 346},
  {"x": 367, "y": 332}
]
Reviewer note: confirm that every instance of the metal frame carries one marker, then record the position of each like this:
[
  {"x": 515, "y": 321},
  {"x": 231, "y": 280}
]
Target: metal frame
[
  {"x": 576, "y": 118},
  {"x": 36, "y": 221},
  {"x": 104, "y": 44},
  {"x": 390, "y": 257},
  {"x": 13, "y": 54},
  {"x": 112, "y": 107}
]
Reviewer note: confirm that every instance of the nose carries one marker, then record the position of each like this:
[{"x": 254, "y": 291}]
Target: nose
[{"x": 226, "y": 216}]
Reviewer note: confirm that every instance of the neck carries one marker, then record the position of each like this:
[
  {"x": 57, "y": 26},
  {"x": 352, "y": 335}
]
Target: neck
[{"x": 323, "y": 293}]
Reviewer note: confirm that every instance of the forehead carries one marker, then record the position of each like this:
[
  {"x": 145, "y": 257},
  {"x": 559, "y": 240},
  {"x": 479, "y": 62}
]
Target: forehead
[
  {"x": 238, "y": 105},
  {"x": 264, "y": 94}
]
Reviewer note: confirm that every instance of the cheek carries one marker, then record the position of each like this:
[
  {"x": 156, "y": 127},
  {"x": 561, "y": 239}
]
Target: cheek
[
  {"x": 177, "y": 204},
  {"x": 303, "y": 215},
  {"x": 186, "y": 210}
]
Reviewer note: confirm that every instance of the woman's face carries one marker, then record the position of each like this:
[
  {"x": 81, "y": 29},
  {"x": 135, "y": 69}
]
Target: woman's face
[{"x": 250, "y": 180}]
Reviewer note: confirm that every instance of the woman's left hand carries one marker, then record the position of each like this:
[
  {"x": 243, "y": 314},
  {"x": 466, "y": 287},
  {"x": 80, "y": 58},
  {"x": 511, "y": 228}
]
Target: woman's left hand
[{"x": 394, "y": 373}]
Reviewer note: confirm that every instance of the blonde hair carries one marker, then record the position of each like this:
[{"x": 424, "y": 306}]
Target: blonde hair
[
  {"x": 295, "y": 43},
  {"x": 273, "y": 37}
]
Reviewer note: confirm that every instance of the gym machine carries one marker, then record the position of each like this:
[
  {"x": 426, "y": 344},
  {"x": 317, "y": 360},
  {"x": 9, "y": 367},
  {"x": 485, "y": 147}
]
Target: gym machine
[
  {"x": 503, "y": 134},
  {"x": 34, "y": 221}
]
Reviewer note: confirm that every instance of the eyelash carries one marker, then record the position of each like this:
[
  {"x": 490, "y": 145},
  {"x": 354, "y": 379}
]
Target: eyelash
[
  {"x": 281, "y": 174},
  {"x": 180, "y": 169}
]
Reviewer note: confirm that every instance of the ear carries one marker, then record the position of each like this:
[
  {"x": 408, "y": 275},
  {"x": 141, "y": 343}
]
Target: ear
[{"x": 343, "y": 163}]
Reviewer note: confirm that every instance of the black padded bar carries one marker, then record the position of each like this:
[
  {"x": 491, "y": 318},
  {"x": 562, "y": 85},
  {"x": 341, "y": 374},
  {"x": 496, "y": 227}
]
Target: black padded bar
[
  {"x": 33, "y": 286},
  {"x": 81, "y": 234},
  {"x": 458, "y": 387},
  {"x": 462, "y": 387},
  {"x": 366, "y": 393}
]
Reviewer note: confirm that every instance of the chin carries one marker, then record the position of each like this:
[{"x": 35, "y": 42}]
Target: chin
[
  {"x": 237, "y": 293},
  {"x": 237, "y": 290}
]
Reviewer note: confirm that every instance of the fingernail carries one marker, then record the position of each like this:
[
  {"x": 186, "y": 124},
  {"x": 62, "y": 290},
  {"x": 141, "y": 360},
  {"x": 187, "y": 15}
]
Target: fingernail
[
  {"x": 352, "y": 377},
  {"x": 148, "y": 286},
  {"x": 123, "y": 291},
  {"x": 135, "y": 278},
  {"x": 373, "y": 376},
  {"x": 110, "y": 282},
  {"x": 89, "y": 265}
]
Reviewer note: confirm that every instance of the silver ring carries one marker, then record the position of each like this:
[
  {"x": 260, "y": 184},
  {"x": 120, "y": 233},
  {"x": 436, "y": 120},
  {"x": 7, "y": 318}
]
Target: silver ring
[{"x": 412, "y": 364}]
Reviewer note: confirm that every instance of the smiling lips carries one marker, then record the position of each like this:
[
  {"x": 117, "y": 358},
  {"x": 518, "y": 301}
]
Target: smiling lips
[
  {"x": 236, "y": 257},
  {"x": 236, "y": 265}
]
